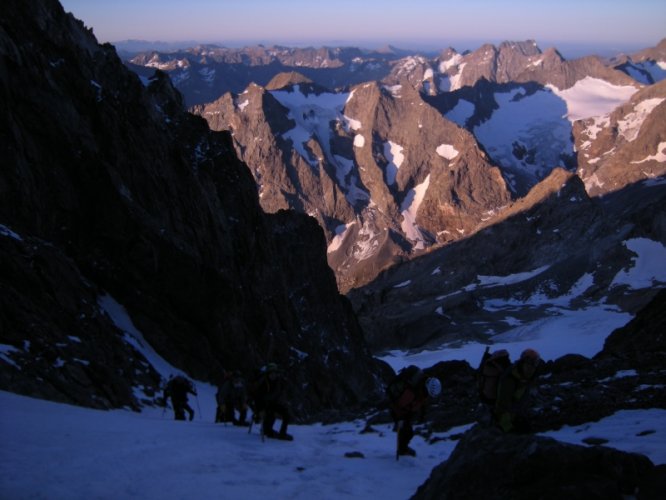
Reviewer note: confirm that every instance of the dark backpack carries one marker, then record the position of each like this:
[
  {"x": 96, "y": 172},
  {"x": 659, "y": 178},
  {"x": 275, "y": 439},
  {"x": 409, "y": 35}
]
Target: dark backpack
[
  {"x": 491, "y": 368},
  {"x": 406, "y": 377}
]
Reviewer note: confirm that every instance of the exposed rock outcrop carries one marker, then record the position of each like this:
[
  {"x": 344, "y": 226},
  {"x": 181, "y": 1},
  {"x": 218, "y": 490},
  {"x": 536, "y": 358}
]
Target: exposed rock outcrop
[{"x": 489, "y": 464}]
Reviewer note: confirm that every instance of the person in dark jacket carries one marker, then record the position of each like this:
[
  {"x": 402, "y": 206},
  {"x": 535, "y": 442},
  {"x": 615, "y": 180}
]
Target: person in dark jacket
[
  {"x": 409, "y": 393},
  {"x": 232, "y": 397},
  {"x": 268, "y": 396},
  {"x": 512, "y": 389},
  {"x": 177, "y": 389}
]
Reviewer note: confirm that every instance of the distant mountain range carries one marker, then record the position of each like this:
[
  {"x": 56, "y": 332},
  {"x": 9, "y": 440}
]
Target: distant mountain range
[{"x": 410, "y": 153}]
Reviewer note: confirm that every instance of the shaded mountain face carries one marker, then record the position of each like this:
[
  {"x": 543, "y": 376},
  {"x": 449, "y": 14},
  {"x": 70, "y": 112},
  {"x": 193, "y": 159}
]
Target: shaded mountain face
[
  {"x": 113, "y": 196},
  {"x": 555, "y": 250}
]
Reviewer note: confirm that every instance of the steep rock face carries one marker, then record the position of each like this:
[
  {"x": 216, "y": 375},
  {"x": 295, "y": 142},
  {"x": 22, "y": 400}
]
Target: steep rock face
[
  {"x": 523, "y": 467},
  {"x": 642, "y": 341},
  {"x": 57, "y": 344},
  {"x": 115, "y": 194},
  {"x": 383, "y": 172},
  {"x": 626, "y": 145}
]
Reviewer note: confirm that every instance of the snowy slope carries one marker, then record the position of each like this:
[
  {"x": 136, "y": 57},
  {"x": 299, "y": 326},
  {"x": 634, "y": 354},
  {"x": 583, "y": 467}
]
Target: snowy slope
[
  {"x": 562, "y": 326},
  {"x": 57, "y": 451}
]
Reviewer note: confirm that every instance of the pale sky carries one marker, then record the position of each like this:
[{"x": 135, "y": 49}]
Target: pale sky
[{"x": 620, "y": 24}]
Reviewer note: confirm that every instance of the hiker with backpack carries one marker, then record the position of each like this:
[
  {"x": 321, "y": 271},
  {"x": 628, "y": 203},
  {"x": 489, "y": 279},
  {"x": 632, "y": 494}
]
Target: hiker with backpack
[
  {"x": 268, "y": 402},
  {"x": 231, "y": 398},
  {"x": 177, "y": 388},
  {"x": 504, "y": 386},
  {"x": 408, "y": 394}
]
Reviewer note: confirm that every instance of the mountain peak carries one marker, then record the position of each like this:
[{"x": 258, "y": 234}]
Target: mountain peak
[{"x": 282, "y": 80}]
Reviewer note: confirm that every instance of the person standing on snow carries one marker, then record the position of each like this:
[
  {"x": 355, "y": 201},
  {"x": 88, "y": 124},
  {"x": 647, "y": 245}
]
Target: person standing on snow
[
  {"x": 513, "y": 388},
  {"x": 408, "y": 394},
  {"x": 268, "y": 402},
  {"x": 177, "y": 389},
  {"x": 232, "y": 396}
]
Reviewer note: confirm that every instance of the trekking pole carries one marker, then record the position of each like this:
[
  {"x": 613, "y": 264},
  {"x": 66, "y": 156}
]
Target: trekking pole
[
  {"x": 196, "y": 396},
  {"x": 397, "y": 447}
]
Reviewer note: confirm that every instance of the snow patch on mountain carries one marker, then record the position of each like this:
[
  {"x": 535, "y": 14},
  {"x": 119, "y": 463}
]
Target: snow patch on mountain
[
  {"x": 393, "y": 153},
  {"x": 447, "y": 151},
  {"x": 243, "y": 105},
  {"x": 409, "y": 209},
  {"x": 593, "y": 97},
  {"x": 456, "y": 79},
  {"x": 527, "y": 134},
  {"x": 645, "y": 271},
  {"x": 490, "y": 281},
  {"x": 366, "y": 244},
  {"x": 592, "y": 130},
  {"x": 409, "y": 64},
  {"x": 631, "y": 125},
  {"x": 659, "y": 157},
  {"x": 394, "y": 90},
  {"x": 350, "y": 124},
  {"x": 313, "y": 114},
  {"x": 340, "y": 234},
  {"x": 455, "y": 60}
]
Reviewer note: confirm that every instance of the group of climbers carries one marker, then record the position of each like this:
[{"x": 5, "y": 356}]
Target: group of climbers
[
  {"x": 503, "y": 387},
  {"x": 265, "y": 396}
]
